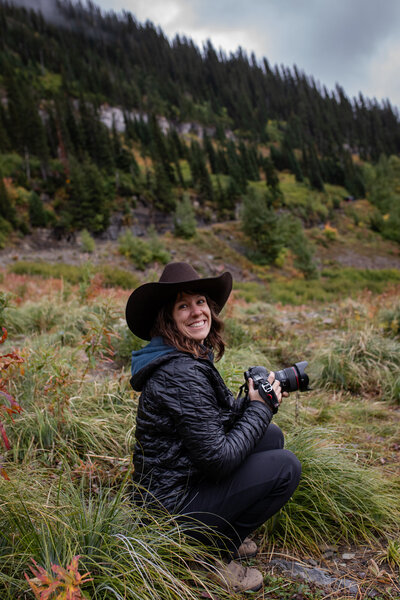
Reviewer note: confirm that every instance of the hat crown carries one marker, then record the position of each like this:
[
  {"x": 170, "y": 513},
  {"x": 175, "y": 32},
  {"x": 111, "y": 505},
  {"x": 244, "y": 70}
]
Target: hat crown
[{"x": 178, "y": 272}]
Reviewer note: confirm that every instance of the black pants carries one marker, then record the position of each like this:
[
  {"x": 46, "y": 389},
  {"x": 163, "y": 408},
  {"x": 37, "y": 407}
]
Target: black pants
[{"x": 238, "y": 504}]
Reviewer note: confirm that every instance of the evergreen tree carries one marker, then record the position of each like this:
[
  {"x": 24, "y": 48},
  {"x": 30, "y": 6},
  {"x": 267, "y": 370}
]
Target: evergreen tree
[
  {"x": 88, "y": 206},
  {"x": 312, "y": 168},
  {"x": 37, "y": 213},
  {"x": 209, "y": 150},
  {"x": 184, "y": 219},
  {"x": 159, "y": 149},
  {"x": 164, "y": 198},
  {"x": 263, "y": 229},
  {"x": 235, "y": 168}
]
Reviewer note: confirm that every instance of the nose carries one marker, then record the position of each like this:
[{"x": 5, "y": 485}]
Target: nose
[{"x": 195, "y": 309}]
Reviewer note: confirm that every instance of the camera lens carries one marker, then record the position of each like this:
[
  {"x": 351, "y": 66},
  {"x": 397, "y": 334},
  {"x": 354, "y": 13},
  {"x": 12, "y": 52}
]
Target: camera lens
[{"x": 293, "y": 378}]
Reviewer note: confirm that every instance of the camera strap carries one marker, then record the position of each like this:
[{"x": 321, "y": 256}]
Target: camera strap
[{"x": 267, "y": 393}]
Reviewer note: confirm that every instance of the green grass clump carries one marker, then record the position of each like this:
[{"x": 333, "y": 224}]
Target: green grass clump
[
  {"x": 338, "y": 499},
  {"x": 390, "y": 319},
  {"x": 129, "y": 553},
  {"x": 361, "y": 362}
]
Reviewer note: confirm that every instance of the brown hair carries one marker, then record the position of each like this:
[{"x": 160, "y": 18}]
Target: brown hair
[{"x": 165, "y": 326}]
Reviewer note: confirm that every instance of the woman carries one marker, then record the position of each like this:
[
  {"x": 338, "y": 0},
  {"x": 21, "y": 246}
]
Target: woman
[{"x": 199, "y": 452}]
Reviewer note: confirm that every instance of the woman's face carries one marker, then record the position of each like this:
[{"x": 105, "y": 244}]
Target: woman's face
[{"x": 192, "y": 316}]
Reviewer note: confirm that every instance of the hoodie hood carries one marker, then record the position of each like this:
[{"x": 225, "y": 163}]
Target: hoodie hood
[{"x": 145, "y": 360}]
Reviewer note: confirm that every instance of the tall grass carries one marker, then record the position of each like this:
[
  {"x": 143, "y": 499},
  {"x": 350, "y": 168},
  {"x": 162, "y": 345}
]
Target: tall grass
[
  {"x": 338, "y": 499},
  {"x": 361, "y": 362},
  {"x": 128, "y": 552},
  {"x": 70, "y": 464}
]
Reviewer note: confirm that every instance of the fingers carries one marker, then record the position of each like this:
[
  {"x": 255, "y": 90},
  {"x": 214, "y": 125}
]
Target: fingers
[
  {"x": 253, "y": 394},
  {"x": 276, "y": 386}
]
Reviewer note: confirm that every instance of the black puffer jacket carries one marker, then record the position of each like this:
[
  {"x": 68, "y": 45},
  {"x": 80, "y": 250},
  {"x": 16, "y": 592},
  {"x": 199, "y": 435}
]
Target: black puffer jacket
[{"x": 189, "y": 426}]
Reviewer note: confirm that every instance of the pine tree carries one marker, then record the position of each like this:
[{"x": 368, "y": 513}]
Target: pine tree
[
  {"x": 164, "y": 198},
  {"x": 88, "y": 206},
  {"x": 37, "y": 213}
]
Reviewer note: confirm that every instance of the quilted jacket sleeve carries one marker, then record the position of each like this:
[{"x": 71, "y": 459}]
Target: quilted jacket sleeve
[{"x": 191, "y": 400}]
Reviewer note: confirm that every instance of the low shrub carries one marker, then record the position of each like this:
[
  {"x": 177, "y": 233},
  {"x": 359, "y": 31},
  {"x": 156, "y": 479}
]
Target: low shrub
[
  {"x": 234, "y": 334},
  {"x": 184, "y": 219},
  {"x": 142, "y": 252},
  {"x": 126, "y": 343},
  {"x": 113, "y": 277},
  {"x": 87, "y": 242}
]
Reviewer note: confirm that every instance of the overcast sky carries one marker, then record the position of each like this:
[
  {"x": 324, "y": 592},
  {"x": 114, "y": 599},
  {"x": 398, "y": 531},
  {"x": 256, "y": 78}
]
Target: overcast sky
[{"x": 353, "y": 42}]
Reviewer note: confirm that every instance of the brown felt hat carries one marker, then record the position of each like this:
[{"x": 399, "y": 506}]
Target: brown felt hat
[{"x": 145, "y": 302}]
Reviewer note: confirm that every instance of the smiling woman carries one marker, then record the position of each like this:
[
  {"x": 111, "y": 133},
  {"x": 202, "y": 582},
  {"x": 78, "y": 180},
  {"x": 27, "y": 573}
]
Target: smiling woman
[
  {"x": 216, "y": 462},
  {"x": 192, "y": 316}
]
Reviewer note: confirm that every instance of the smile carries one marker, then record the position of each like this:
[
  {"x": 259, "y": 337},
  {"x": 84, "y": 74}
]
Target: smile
[{"x": 198, "y": 324}]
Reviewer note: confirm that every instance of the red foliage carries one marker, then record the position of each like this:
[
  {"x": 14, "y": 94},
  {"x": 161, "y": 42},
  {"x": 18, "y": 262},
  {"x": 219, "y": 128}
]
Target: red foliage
[
  {"x": 65, "y": 586},
  {"x": 7, "y": 361}
]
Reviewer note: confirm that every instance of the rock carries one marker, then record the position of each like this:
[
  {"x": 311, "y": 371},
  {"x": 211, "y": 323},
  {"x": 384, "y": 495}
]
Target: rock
[
  {"x": 348, "y": 556},
  {"x": 315, "y": 575}
]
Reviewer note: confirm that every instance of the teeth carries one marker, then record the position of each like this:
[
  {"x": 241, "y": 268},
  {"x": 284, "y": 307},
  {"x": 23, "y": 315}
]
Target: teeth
[{"x": 198, "y": 324}]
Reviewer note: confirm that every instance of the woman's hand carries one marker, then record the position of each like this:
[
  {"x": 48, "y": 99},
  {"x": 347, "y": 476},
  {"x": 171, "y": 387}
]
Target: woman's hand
[{"x": 276, "y": 385}]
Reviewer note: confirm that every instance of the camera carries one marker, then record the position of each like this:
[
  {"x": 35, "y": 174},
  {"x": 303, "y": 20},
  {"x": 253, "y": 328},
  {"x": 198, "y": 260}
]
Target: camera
[{"x": 291, "y": 379}]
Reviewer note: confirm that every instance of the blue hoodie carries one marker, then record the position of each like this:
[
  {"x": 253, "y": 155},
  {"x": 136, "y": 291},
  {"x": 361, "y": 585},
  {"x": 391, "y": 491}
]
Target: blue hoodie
[{"x": 143, "y": 358}]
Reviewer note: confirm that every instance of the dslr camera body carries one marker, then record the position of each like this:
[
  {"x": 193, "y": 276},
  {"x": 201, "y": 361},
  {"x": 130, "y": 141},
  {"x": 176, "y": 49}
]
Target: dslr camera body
[{"x": 292, "y": 379}]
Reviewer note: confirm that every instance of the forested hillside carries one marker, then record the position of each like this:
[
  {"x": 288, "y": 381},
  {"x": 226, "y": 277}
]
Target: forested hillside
[
  {"x": 201, "y": 131},
  {"x": 119, "y": 152}
]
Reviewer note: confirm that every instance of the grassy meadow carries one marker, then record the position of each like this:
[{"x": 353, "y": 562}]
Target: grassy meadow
[{"x": 65, "y": 486}]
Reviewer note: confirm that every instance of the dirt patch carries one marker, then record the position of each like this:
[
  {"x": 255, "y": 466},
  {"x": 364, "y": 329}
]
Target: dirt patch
[{"x": 339, "y": 572}]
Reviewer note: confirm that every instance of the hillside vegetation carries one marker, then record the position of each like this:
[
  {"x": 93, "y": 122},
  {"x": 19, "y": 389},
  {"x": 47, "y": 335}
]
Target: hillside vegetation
[
  {"x": 65, "y": 490},
  {"x": 100, "y": 114}
]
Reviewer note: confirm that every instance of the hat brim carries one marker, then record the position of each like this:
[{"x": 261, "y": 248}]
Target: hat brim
[{"x": 145, "y": 302}]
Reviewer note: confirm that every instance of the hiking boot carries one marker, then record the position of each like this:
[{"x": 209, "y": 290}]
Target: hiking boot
[
  {"x": 236, "y": 578},
  {"x": 247, "y": 549}
]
